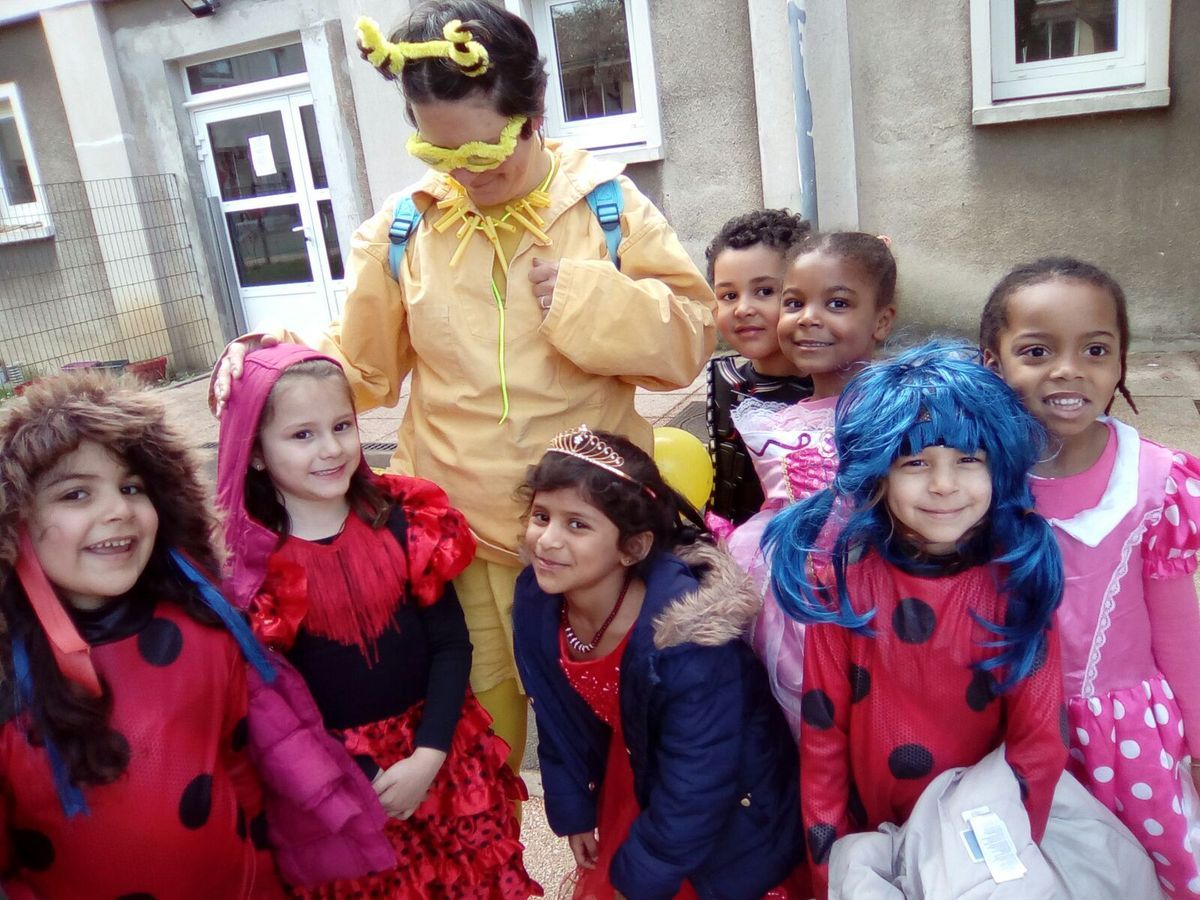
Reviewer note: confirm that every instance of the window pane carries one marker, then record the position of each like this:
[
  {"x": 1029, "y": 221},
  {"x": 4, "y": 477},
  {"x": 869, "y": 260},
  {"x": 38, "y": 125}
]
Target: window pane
[
  {"x": 251, "y": 156},
  {"x": 592, "y": 40},
  {"x": 266, "y": 249},
  {"x": 316, "y": 159},
  {"x": 329, "y": 229},
  {"x": 1058, "y": 29},
  {"x": 14, "y": 170},
  {"x": 246, "y": 69}
]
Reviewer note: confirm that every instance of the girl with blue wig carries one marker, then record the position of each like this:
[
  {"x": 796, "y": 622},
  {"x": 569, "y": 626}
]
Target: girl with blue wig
[{"x": 929, "y": 639}]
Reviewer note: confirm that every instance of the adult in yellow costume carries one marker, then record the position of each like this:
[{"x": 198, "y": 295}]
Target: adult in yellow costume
[{"x": 507, "y": 311}]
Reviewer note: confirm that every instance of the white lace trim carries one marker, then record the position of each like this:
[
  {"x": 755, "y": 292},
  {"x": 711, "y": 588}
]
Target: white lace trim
[
  {"x": 1104, "y": 620},
  {"x": 753, "y": 414}
]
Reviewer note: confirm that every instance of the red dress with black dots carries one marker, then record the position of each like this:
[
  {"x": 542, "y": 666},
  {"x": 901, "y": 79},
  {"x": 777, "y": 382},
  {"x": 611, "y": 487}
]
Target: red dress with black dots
[
  {"x": 184, "y": 819},
  {"x": 884, "y": 715}
]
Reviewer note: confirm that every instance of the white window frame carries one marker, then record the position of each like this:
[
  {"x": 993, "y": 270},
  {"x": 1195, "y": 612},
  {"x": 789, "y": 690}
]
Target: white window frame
[
  {"x": 633, "y": 137},
  {"x": 1134, "y": 76},
  {"x": 35, "y": 215}
]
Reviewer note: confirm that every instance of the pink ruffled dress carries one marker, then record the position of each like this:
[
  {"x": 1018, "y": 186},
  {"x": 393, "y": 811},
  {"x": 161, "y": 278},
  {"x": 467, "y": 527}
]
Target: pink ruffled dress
[
  {"x": 792, "y": 448},
  {"x": 1130, "y": 518}
]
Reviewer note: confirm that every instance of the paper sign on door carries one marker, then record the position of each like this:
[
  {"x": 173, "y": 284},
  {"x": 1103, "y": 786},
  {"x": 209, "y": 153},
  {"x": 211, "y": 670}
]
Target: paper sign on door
[{"x": 261, "y": 157}]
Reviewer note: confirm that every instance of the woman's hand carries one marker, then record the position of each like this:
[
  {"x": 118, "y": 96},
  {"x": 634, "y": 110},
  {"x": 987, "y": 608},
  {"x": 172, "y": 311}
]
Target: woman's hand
[
  {"x": 229, "y": 367},
  {"x": 403, "y": 786},
  {"x": 584, "y": 848},
  {"x": 543, "y": 276}
]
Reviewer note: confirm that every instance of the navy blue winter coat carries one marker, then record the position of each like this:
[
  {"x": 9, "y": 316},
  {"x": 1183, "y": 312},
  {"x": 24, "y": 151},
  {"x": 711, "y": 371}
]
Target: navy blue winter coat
[{"x": 714, "y": 764}]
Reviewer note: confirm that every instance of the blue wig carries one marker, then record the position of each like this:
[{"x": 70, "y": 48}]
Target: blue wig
[{"x": 937, "y": 394}]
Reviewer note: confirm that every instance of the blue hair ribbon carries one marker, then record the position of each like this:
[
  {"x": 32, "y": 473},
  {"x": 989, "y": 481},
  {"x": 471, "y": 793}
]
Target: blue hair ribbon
[
  {"x": 69, "y": 793},
  {"x": 251, "y": 649}
]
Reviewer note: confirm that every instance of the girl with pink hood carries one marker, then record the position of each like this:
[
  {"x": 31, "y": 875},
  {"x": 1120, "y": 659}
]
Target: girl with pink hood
[{"x": 348, "y": 573}]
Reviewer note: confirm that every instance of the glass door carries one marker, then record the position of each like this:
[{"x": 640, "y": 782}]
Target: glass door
[{"x": 263, "y": 159}]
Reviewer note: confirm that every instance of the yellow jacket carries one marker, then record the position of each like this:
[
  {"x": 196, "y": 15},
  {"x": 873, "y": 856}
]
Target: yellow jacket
[{"x": 649, "y": 324}]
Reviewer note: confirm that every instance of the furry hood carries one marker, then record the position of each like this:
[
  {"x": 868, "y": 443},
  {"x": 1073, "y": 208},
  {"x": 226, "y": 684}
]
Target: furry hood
[
  {"x": 57, "y": 414},
  {"x": 718, "y": 612},
  {"x": 248, "y": 542}
]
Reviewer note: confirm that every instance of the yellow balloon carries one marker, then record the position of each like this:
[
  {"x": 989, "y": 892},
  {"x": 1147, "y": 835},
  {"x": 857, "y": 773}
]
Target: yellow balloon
[{"x": 685, "y": 464}]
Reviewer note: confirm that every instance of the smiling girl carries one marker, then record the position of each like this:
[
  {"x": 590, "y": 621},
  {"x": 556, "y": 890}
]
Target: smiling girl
[
  {"x": 929, "y": 639},
  {"x": 1125, "y": 512},
  {"x": 348, "y": 574},
  {"x": 125, "y": 763}
]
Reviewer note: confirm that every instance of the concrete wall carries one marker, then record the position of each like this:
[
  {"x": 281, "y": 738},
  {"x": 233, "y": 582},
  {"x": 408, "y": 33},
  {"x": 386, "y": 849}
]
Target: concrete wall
[
  {"x": 964, "y": 204},
  {"x": 711, "y": 169}
]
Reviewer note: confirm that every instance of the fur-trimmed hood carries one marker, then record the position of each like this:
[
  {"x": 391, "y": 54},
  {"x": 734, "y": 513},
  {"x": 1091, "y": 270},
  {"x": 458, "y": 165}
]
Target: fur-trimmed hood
[
  {"x": 718, "y": 612},
  {"x": 57, "y": 414}
]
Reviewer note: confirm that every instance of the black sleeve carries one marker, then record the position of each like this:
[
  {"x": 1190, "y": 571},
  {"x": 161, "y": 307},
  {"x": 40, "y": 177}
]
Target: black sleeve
[{"x": 449, "y": 669}]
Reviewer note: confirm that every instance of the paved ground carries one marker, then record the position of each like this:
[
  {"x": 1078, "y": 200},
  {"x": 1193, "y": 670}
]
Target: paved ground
[{"x": 1166, "y": 387}]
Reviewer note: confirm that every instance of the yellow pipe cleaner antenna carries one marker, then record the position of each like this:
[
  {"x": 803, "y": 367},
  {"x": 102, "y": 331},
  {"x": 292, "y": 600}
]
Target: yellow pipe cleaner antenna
[{"x": 457, "y": 45}]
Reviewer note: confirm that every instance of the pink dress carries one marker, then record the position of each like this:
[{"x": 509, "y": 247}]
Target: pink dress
[
  {"x": 1140, "y": 508},
  {"x": 792, "y": 448}
]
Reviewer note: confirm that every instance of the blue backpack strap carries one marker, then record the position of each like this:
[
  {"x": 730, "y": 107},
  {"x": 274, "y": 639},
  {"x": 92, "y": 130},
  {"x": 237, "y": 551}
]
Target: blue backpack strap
[
  {"x": 607, "y": 203},
  {"x": 405, "y": 217}
]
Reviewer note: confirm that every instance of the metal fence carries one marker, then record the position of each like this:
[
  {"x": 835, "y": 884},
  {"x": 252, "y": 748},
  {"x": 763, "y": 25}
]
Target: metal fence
[{"x": 101, "y": 273}]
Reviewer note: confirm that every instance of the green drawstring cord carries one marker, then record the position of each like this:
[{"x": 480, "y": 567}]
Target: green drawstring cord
[{"x": 500, "y": 355}]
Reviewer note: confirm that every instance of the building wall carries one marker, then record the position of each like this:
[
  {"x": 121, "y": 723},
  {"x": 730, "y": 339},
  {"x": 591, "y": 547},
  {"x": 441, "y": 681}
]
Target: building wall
[{"x": 964, "y": 204}]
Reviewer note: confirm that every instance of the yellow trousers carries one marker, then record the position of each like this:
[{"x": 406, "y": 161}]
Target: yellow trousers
[{"x": 485, "y": 591}]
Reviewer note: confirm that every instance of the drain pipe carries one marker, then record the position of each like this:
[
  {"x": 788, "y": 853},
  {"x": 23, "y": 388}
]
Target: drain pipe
[{"x": 805, "y": 157}]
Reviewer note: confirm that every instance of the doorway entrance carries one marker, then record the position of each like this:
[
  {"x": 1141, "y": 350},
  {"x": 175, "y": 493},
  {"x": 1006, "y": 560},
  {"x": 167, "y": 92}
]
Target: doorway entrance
[{"x": 262, "y": 159}]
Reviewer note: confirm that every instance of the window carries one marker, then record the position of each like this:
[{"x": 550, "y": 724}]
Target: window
[
  {"x": 601, "y": 93},
  {"x": 24, "y": 214},
  {"x": 261, "y": 65},
  {"x": 1041, "y": 58}
]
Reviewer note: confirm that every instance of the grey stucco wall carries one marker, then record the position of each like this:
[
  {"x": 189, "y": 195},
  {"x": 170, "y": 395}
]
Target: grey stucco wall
[
  {"x": 964, "y": 204},
  {"x": 710, "y": 172}
]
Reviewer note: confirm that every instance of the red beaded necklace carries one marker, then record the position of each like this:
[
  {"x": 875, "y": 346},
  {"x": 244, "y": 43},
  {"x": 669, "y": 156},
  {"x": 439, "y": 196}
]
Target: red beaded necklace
[{"x": 573, "y": 640}]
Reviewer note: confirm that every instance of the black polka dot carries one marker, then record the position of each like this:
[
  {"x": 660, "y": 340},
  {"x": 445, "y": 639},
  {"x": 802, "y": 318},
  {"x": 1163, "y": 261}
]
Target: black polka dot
[
  {"x": 160, "y": 642},
  {"x": 816, "y": 709},
  {"x": 860, "y": 682},
  {"x": 258, "y": 831},
  {"x": 910, "y": 761},
  {"x": 1064, "y": 729},
  {"x": 241, "y": 734},
  {"x": 33, "y": 849},
  {"x": 138, "y": 896},
  {"x": 981, "y": 691},
  {"x": 242, "y": 825},
  {"x": 367, "y": 764},
  {"x": 913, "y": 621},
  {"x": 855, "y": 808},
  {"x": 820, "y": 842},
  {"x": 196, "y": 803}
]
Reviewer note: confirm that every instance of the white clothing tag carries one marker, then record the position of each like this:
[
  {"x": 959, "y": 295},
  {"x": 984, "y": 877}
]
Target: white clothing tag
[
  {"x": 999, "y": 852},
  {"x": 977, "y": 811}
]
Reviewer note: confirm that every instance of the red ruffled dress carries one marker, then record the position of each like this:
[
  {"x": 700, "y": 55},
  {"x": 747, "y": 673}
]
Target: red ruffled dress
[
  {"x": 369, "y": 617},
  {"x": 598, "y": 682}
]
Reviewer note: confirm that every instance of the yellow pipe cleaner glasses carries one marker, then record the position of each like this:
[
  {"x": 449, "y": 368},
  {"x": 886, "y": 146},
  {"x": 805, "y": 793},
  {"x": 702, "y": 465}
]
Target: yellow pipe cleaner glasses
[
  {"x": 474, "y": 156},
  {"x": 458, "y": 45}
]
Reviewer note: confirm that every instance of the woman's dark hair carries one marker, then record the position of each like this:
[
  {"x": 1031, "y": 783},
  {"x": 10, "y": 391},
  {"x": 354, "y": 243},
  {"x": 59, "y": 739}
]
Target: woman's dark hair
[
  {"x": 868, "y": 252},
  {"x": 644, "y": 503},
  {"x": 52, "y": 419},
  {"x": 262, "y": 499},
  {"x": 515, "y": 80},
  {"x": 1054, "y": 268},
  {"x": 774, "y": 228}
]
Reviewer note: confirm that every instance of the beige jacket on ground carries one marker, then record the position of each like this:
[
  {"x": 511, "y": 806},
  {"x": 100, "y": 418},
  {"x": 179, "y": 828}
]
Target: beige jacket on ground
[{"x": 649, "y": 324}]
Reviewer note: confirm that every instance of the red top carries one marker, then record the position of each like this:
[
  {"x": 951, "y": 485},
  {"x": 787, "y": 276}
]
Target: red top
[
  {"x": 183, "y": 818},
  {"x": 883, "y": 716},
  {"x": 597, "y": 680}
]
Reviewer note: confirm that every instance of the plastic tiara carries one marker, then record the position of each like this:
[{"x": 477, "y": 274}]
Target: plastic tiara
[
  {"x": 458, "y": 45},
  {"x": 582, "y": 444}
]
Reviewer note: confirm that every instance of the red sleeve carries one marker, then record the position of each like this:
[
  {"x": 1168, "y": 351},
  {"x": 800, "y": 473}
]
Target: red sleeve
[
  {"x": 824, "y": 745},
  {"x": 235, "y": 754},
  {"x": 10, "y": 885},
  {"x": 1036, "y": 734},
  {"x": 439, "y": 542}
]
